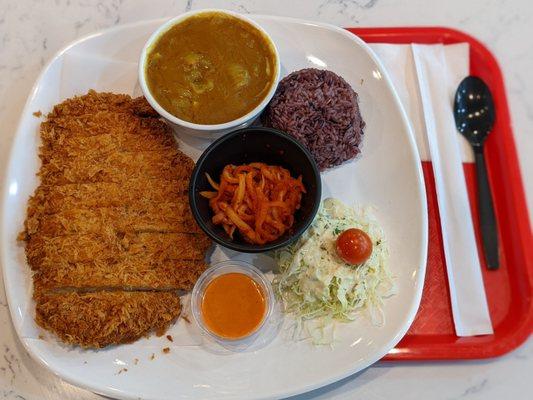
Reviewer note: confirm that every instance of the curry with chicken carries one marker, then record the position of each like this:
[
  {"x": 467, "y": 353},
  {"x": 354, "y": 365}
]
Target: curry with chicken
[{"x": 211, "y": 68}]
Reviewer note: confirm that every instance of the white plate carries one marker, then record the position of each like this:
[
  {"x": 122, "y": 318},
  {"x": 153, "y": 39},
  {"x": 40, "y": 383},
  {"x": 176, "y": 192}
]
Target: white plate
[{"x": 388, "y": 175}]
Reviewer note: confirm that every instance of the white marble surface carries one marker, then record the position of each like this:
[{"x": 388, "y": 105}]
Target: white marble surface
[{"x": 32, "y": 31}]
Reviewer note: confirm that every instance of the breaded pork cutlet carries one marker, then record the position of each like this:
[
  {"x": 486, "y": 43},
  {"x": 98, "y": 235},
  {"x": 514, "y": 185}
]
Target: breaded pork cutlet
[
  {"x": 99, "y": 319},
  {"x": 109, "y": 233},
  {"x": 131, "y": 273},
  {"x": 98, "y": 145},
  {"x": 164, "y": 218},
  {"x": 107, "y": 245},
  {"x": 94, "y": 104},
  {"x": 116, "y": 167},
  {"x": 50, "y": 199}
]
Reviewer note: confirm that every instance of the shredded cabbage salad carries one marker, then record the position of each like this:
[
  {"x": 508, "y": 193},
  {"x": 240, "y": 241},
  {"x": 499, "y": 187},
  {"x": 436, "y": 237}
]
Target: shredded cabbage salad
[{"x": 317, "y": 287}]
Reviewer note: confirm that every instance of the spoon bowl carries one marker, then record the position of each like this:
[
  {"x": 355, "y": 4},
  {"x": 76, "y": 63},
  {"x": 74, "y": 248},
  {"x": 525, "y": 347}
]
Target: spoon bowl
[{"x": 474, "y": 110}]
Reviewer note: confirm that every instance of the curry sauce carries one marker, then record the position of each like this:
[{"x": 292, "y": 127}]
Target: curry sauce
[{"x": 211, "y": 68}]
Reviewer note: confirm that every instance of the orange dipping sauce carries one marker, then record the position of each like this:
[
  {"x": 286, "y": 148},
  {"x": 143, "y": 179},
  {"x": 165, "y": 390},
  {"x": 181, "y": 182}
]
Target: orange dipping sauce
[{"x": 233, "y": 305}]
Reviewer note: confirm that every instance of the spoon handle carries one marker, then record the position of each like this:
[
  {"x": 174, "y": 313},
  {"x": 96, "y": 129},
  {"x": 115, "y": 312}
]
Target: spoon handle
[{"x": 489, "y": 230}]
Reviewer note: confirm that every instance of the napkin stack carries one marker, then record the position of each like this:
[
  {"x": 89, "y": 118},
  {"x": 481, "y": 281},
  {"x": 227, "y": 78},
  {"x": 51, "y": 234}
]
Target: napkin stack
[{"x": 426, "y": 78}]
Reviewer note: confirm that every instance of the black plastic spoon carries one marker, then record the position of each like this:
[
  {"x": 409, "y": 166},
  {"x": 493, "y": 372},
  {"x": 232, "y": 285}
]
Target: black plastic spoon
[{"x": 474, "y": 118}]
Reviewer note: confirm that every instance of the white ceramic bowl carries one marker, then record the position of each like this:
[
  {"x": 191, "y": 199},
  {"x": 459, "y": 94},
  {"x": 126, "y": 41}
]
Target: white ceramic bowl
[{"x": 201, "y": 130}]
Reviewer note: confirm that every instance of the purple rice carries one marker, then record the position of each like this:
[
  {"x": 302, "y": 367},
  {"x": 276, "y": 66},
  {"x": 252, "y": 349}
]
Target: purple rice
[{"x": 321, "y": 110}]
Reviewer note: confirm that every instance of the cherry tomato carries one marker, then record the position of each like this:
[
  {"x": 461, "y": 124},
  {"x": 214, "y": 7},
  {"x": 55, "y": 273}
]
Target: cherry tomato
[{"x": 354, "y": 246}]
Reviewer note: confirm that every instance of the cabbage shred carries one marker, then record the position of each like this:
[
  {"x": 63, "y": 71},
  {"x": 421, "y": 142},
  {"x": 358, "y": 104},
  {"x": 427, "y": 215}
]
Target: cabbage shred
[{"x": 317, "y": 287}]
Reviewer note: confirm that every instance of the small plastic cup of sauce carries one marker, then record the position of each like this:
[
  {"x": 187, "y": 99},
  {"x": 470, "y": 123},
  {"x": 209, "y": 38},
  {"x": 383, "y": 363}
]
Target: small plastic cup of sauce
[{"x": 231, "y": 302}]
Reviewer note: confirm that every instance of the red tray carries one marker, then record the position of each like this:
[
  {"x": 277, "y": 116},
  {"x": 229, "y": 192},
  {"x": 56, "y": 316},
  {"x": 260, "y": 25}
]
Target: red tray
[{"x": 509, "y": 289}]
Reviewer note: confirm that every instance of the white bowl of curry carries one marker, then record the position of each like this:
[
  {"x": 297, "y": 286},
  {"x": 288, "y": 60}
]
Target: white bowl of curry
[{"x": 209, "y": 71}]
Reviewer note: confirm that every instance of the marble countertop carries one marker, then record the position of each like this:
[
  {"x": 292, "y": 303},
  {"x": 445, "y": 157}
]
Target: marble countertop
[{"x": 31, "y": 31}]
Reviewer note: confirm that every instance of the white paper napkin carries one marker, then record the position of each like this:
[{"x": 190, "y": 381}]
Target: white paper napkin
[{"x": 426, "y": 77}]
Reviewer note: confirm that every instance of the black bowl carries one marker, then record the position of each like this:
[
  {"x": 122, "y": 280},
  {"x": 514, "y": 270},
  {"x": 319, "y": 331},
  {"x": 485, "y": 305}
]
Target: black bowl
[{"x": 248, "y": 145}]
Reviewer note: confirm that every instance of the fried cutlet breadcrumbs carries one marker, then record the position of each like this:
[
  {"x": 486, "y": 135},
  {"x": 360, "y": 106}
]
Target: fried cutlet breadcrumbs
[
  {"x": 136, "y": 273},
  {"x": 50, "y": 199},
  {"x": 111, "y": 245},
  {"x": 172, "y": 218},
  {"x": 98, "y": 145},
  {"x": 109, "y": 233},
  {"x": 99, "y": 319},
  {"x": 116, "y": 167}
]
